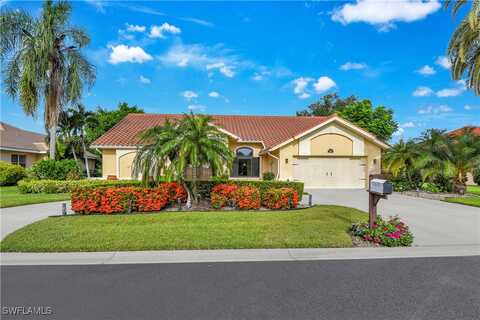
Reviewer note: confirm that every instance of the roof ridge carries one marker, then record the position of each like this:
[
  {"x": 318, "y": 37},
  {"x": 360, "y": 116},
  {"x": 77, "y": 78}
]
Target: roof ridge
[{"x": 229, "y": 115}]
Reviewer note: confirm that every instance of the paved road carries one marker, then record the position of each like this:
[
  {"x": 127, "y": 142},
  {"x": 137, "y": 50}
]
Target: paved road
[
  {"x": 432, "y": 222},
  {"x": 17, "y": 217},
  {"x": 416, "y": 288}
]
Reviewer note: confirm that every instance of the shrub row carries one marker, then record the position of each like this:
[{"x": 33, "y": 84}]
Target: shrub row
[
  {"x": 61, "y": 186},
  {"x": 126, "y": 199},
  {"x": 248, "y": 197},
  {"x": 10, "y": 174},
  {"x": 48, "y": 169}
]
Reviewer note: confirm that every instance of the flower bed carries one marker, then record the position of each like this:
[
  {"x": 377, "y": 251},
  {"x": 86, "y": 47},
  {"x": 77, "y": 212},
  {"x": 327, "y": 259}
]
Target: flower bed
[
  {"x": 390, "y": 233},
  {"x": 126, "y": 199},
  {"x": 249, "y": 197}
]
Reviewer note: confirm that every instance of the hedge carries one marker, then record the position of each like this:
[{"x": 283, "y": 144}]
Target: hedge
[
  {"x": 61, "y": 186},
  {"x": 10, "y": 173},
  {"x": 48, "y": 169}
]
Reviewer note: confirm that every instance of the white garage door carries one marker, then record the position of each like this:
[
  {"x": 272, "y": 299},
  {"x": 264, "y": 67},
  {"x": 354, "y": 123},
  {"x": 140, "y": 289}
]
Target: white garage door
[{"x": 330, "y": 172}]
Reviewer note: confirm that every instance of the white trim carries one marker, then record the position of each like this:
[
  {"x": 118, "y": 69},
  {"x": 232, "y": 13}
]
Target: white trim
[
  {"x": 332, "y": 119},
  {"x": 22, "y": 150}
]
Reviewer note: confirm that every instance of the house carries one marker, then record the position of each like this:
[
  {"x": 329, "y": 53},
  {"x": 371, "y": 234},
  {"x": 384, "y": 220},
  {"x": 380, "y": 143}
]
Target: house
[
  {"x": 22, "y": 147},
  {"x": 459, "y": 132},
  {"x": 323, "y": 152}
]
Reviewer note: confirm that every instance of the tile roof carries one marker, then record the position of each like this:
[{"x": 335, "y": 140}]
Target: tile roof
[
  {"x": 458, "y": 132},
  {"x": 270, "y": 130},
  {"x": 15, "y": 138}
]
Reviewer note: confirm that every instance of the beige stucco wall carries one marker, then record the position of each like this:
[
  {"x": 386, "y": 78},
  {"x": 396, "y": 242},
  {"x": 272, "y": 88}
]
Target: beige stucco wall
[
  {"x": 30, "y": 158},
  {"x": 340, "y": 144},
  {"x": 286, "y": 154},
  {"x": 125, "y": 162},
  {"x": 374, "y": 159},
  {"x": 109, "y": 163}
]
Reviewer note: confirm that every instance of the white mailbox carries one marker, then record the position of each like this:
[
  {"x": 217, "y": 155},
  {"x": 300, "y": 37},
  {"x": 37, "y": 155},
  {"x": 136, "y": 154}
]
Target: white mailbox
[{"x": 381, "y": 186}]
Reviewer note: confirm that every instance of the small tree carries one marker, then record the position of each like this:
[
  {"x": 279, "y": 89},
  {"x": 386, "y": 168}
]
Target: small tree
[
  {"x": 168, "y": 150},
  {"x": 401, "y": 158},
  {"x": 329, "y": 104}
]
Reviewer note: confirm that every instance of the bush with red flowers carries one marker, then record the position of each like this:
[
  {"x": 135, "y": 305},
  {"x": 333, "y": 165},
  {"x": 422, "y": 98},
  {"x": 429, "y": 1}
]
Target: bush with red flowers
[
  {"x": 247, "y": 198},
  {"x": 280, "y": 198},
  {"x": 390, "y": 233},
  {"x": 125, "y": 199},
  {"x": 223, "y": 195}
]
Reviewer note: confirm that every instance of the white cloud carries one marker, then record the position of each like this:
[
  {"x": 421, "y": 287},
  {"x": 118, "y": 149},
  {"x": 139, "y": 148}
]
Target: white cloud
[
  {"x": 435, "y": 109},
  {"x": 324, "y": 84},
  {"x": 261, "y": 75},
  {"x": 227, "y": 71},
  {"x": 353, "y": 66},
  {"x": 468, "y": 107},
  {"x": 145, "y": 80},
  {"x": 443, "y": 62},
  {"x": 124, "y": 53},
  {"x": 384, "y": 14},
  {"x": 189, "y": 95},
  {"x": 422, "y": 92},
  {"x": 197, "y": 107},
  {"x": 409, "y": 124},
  {"x": 214, "y": 94},
  {"x": 160, "y": 31},
  {"x": 135, "y": 28},
  {"x": 400, "y": 131},
  {"x": 452, "y": 92},
  {"x": 426, "y": 70},
  {"x": 300, "y": 87}
]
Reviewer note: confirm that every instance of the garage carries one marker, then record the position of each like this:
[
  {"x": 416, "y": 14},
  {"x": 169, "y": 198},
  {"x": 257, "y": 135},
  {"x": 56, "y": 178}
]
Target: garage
[{"x": 330, "y": 172}]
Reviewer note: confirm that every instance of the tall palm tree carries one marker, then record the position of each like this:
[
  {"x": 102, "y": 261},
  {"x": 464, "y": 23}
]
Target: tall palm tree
[
  {"x": 402, "y": 158},
  {"x": 65, "y": 130},
  {"x": 169, "y": 149},
  {"x": 464, "y": 46},
  {"x": 41, "y": 59},
  {"x": 79, "y": 119}
]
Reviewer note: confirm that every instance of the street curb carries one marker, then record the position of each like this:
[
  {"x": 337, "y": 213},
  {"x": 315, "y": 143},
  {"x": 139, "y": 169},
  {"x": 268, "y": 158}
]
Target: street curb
[{"x": 233, "y": 255}]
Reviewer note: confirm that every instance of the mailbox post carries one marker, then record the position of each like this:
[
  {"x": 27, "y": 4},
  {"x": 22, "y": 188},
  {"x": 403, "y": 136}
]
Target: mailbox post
[{"x": 378, "y": 188}]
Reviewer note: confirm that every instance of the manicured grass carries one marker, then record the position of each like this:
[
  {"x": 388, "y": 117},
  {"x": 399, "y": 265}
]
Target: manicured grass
[
  {"x": 469, "y": 201},
  {"x": 11, "y": 197},
  {"x": 474, "y": 190},
  {"x": 320, "y": 226}
]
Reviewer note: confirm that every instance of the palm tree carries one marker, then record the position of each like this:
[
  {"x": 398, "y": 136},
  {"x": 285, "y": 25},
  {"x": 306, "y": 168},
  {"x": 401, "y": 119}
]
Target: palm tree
[
  {"x": 168, "y": 150},
  {"x": 464, "y": 46},
  {"x": 41, "y": 59},
  {"x": 402, "y": 158},
  {"x": 80, "y": 117},
  {"x": 65, "y": 128}
]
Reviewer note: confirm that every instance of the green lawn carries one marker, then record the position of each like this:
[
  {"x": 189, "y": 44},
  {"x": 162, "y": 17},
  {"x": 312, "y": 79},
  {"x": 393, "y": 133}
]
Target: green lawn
[
  {"x": 320, "y": 226},
  {"x": 474, "y": 190},
  {"x": 469, "y": 201},
  {"x": 11, "y": 197}
]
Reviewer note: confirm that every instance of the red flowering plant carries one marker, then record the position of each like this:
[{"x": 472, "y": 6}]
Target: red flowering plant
[
  {"x": 175, "y": 191},
  {"x": 223, "y": 195},
  {"x": 390, "y": 233},
  {"x": 247, "y": 198},
  {"x": 280, "y": 198}
]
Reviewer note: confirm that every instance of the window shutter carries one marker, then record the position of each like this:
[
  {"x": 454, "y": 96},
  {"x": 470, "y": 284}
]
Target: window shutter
[{"x": 256, "y": 167}]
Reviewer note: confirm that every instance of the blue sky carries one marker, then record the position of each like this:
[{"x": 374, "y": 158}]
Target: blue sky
[{"x": 269, "y": 58}]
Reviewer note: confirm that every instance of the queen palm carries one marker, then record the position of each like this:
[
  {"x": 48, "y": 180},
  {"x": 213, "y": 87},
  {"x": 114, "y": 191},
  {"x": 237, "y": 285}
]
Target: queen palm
[
  {"x": 41, "y": 59},
  {"x": 168, "y": 150},
  {"x": 464, "y": 46}
]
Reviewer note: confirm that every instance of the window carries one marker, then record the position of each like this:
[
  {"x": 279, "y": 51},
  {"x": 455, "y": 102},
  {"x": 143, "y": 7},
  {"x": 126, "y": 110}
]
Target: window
[
  {"x": 18, "y": 159},
  {"x": 245, "y": 164}
]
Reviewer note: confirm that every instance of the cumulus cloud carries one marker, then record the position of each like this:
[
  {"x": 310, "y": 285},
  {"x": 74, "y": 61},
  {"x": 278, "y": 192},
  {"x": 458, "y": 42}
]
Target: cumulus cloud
[
  {"x": 145, "y": 80},
  {"x": 452, "y": 92},
  {"x": 400, "y": 131},
  {"x": 435, "y": 109},
  {"x": 197, "y": 107},
  {"x": 189, "y": 95},
  {"x": 300, "y": 87},
  {"x": 444, "y": 62},
  {"x": 135, "y": 28},
  {"x": 324, "y": 84},
  {"x": 426, "y": 70},
  {"x": 384, "y": 14},
  {"x": 214, "y": 94},
  {"x": 123, "y": 53},
  {"x": 160, "y": 31},
  {"x": 409, "y": 124},
  {"x": 422, "y": 92},
  {"x": 353, "y": 66}
]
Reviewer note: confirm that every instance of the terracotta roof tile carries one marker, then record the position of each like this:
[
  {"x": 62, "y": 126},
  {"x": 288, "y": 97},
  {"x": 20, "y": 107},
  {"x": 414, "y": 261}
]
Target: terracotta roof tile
[
  {"x": 15, "y": 138},
  {"x": 271, "y": 130},
  {"x": 458, "y": 132}
]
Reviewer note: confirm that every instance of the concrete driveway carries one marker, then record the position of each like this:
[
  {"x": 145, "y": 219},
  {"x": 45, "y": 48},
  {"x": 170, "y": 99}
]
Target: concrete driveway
[{"x": 433, "y": 223}]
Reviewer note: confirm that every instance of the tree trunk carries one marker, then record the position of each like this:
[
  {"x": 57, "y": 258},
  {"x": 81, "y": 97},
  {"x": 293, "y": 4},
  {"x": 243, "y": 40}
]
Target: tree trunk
[
  {"x": 74, "y": 154},
  {"x": 189, "y": 195},
  {"x": 85, "y": 157},
  {"x": 53, "y": 141},
  {"x": 194, "y": 184}
]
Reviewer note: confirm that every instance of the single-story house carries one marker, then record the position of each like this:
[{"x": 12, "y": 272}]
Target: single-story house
[
  {"x": 22, "y": 147},
  {"x": 459, "y": 132},
  {"x": 323, "y": 152}
]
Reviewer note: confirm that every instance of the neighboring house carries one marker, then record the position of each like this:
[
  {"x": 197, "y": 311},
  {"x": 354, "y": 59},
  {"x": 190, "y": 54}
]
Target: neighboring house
[
  {"x": 21, "y": 147},
  {"x": 327, "y": 152},
  {"x": 24, "y": 147},
  {"x": 459, "y": 132}
]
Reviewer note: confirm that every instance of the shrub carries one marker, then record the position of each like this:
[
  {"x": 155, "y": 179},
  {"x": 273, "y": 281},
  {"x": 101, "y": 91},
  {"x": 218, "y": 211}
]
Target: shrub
[
  {"x": 125, "y": 199},
  {"x": 430, "y": 187},
  {"x": 268, "y": 176},
  {"x": 49, "y": 169},
  {"x": 59, "y": 186},
  {"x": 223, "y": 195},
  {"x": 476, "y": 175},
  {"x": 283, "y": 198},
  {"x": 247, "y": 198},
  {"x": 391, "y": 233},
  {"x": 10, "y": 174}
]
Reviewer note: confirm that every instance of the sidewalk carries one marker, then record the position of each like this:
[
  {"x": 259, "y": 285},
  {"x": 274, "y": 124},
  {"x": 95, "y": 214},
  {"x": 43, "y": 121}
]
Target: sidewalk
[{"x": 241, "y": 255}]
